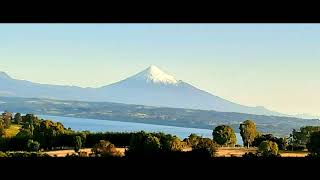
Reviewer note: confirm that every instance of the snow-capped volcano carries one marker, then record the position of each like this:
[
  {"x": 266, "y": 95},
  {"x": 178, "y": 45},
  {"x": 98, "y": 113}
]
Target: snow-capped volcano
[
  {"x": 151, "y": 87},
  {"x": 155, "y": 75}
]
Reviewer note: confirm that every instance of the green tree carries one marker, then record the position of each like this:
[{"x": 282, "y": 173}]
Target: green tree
[
  {"x": 17, "y": 118},
  {"x": 6, "y": 119},
  {"x": 224, "y": 135},
  {"x": 302, "y": 137},
  {"x": 282, "y": 142},
  {"x": 143, "y": 144},
  {"x": 314, "y": 144},
  {"x": 173, "y": 144},
  {"x": 2, "y": 130},
  {"x": 151, "y": 143},
  {"x": 268, "y": 148},
  {"x": 24, "y": 133},
  {"x": 33, "y": 145},
  {"x": 46, "y": 132},
  {"x": 248, "y": 132},
  {"x": 28, "y": 118},
  {"x": 77, "y": 143},
  {"x": 193, "y": 140}
]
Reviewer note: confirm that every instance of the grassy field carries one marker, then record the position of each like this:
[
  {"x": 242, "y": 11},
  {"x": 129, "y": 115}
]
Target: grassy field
[
  {"x": 235, "y": 152},
  {"x": 13, "y": 130},
  {"x": 293, "y": 153},
  {"x": 222, "y": 152},
  {"x": 238, "y": 152},
  {"x": 63, "y": 153}
]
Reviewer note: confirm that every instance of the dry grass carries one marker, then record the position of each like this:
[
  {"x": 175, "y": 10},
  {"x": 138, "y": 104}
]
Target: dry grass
[
  {"x": 221, "y": 152},
  {"x": 64, "y": 153},
  {"x": 238, "y": 152},
  {"x": 234, "y": 151},
  {"x": 293, "y": 153}
]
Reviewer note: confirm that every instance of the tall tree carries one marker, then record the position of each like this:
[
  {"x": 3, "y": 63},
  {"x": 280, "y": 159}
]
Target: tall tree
[
  {"x": 224, "y": 135},
  {"x": 248, "y": 132},
  {"x": 2, "y": 130},
  {"x": 192, "y": 140},
  {"x": 77, "y": 143},
  {"x": 302, "y": 137},
  {"x": 17, "y": 118},
  {"x": 6, "y": 118},
  {"x": 314, "y": 144}
]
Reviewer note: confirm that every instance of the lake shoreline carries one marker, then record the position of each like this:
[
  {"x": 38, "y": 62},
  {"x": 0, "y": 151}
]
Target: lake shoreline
[{"x": 98, "y": 125}]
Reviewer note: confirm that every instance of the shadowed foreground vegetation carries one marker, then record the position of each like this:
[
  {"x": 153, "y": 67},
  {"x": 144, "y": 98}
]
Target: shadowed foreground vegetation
[{"x": 29, "y": 136}]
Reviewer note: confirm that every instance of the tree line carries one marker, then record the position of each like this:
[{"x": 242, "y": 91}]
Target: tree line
[{"x": 41, "y": 135}]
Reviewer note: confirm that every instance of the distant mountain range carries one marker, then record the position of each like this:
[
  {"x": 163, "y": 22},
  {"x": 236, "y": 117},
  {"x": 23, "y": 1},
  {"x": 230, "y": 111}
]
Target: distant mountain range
[
  {"x": 306, "y": 116},
  {"x": 151, "y": 87}
]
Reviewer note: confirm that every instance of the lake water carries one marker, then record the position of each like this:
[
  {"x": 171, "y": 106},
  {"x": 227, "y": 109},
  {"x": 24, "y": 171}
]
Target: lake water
[{"x": 94, "y": 125}]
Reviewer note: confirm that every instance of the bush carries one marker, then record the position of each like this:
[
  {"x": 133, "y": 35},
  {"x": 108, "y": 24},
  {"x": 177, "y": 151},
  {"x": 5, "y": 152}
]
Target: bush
[
  {"x": 205, "y": 146},
  {"x": 26, "y": 154},
  {"x": 268, "y": 149},
  {"x": 143, "y": 144},
  {"x": 281, "y": 142},
  {"x": 33, "y": 145},
  {"x": 173, "y": 144},
  {"x": 314, "y": 144},
  {"x": 2, "y": 154},
  {"x": 105, "y": 149}
]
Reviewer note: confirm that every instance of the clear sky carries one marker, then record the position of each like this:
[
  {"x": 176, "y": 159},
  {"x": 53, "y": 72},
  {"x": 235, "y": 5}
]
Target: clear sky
[{"x": 271, "y": 65}]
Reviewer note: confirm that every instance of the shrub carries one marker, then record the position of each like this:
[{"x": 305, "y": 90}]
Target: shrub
[
  {"x": 206, "y": 147},
  {"x": 314, "y": 144},
  {"x": 105, "y": 149},
  {"x": 33, "y": 145},
  {"x": 268, "y": 149},
  {"x": 2, "y": 154}
]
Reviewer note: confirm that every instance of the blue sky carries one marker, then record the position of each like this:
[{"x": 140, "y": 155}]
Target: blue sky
[{"x": 272, "y": 65}]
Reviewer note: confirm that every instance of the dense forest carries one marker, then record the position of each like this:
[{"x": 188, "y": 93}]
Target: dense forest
[{"x": 35, "y": 137}]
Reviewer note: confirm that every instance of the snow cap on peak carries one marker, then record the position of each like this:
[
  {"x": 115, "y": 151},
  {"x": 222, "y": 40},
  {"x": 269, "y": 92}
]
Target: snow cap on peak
[
  {"x": 4, "y": 75},
  {"x": 155, "y": 75}
]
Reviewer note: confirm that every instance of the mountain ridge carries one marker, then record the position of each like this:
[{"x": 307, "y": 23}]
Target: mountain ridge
[{"x": 151, "y": 86}]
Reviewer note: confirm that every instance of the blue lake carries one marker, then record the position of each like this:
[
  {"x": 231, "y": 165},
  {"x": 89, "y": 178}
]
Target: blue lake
[{"x": 95, "y": 125}]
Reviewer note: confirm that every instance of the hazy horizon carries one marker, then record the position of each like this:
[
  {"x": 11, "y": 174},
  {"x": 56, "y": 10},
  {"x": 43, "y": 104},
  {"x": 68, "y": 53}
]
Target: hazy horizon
[{"x": 270, "y": 65}]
